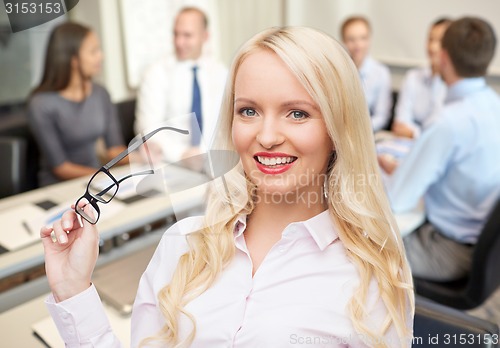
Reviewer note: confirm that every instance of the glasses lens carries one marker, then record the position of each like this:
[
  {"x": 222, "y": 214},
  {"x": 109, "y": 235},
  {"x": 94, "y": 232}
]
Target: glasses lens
[
  {"x": 87, "y": 211},
  {"x": 102, "y": 187}
]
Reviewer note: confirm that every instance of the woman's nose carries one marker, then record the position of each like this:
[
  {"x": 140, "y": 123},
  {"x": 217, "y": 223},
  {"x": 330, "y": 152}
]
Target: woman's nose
[{"x": 270, "y": 134}]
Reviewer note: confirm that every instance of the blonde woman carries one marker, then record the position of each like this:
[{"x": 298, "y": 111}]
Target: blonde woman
[{"x": 303, "y": 249}]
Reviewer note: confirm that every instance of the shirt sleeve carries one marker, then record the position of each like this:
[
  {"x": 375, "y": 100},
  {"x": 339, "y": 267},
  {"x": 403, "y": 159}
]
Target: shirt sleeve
[
  {"x": 81, "y": 321},
  {"x": 382, "y": 108},
  {"x": 405, "y": 104},
  {"x": 43, "y": 125},
  {"x": 423, "y": 166},
  {"x": 113, "y": 136}
]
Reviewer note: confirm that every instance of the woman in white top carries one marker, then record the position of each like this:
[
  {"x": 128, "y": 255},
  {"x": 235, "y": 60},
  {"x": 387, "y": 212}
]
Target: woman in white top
[{"x": 298, "y": 248}]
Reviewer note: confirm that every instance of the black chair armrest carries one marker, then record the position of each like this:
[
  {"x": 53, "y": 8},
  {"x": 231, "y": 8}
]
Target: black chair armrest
[{"x": 437, "y": 325}]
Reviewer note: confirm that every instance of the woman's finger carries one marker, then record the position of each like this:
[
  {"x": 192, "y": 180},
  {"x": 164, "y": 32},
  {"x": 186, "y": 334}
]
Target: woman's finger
[
  {"x": 48, "y": 236},
  {"x": 45, "y": 231},
  {"x": 68, "y": 220},
  {"x": 60, "y": 232}
]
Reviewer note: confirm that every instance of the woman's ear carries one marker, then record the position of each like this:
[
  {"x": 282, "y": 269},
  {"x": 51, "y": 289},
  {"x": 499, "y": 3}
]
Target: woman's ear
[
  {"x": 332, "y": 160},
  {"x": 74, "y": 63}
]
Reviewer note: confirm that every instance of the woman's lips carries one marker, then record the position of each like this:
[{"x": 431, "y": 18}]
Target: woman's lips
[{"x": 274, "y": 163}]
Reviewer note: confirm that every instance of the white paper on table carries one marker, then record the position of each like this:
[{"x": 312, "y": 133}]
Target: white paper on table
[
  {"x": 15, "y": 231},
  {"x": 55, "y": 213}
]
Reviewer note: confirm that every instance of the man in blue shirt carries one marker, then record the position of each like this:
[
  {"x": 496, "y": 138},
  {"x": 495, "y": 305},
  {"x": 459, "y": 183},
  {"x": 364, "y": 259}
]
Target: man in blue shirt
[{"x": 454, "y": 164}]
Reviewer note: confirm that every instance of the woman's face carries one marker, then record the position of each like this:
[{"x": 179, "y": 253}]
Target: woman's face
[
  {"x": 278, "y": 129},
  {"x": 90, "y": 55}
]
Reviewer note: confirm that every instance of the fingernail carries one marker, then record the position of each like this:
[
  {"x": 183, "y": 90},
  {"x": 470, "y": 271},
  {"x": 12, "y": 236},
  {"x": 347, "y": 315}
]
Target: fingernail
[
  {"x": 66, "y": 224},
  {"x": 53, "y": 236},
  {"x": 63, "y": 238}
]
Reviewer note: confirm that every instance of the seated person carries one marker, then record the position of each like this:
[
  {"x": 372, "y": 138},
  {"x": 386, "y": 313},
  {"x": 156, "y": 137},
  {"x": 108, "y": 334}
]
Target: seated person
[
  {"x": 68, "y": 112},
  {"x": 171, "y": 89},
  {"x": 453, "y": 165},
  {"x": 289, "y": 251},
  {"x": 423, "y": 91},
  {"x": 376, "y": 78}
]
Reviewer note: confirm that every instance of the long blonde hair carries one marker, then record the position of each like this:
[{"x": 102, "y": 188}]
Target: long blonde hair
[{"x": 356, "y": 199}]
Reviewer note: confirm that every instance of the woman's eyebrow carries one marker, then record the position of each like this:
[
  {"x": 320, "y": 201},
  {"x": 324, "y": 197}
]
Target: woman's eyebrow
[
  {"x": 300, "y": 102},
  {"x": 285, "y": 104},
  {"x": 244, "y": 100}
]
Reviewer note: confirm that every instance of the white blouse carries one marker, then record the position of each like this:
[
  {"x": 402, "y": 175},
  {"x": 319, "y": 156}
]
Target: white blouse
[{"x": 297, "y": 297}]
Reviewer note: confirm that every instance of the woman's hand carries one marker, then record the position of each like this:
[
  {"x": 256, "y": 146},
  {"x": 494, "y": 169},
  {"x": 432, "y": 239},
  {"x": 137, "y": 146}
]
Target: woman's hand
[
  {"x": 402, "y": 130},
  {"x": 70, "y": 260},
  {"x": 388, "y": 163}
]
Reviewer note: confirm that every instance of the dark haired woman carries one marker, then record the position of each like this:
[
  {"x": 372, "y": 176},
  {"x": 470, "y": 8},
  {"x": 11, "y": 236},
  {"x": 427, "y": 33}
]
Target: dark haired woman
[{"x": 68, "y": 112}]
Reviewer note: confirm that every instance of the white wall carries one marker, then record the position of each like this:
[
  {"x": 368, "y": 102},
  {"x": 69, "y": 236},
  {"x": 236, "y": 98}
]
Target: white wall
[
  {"x": 241, "y": 19},
  {"x": 231, "y": 23},
  {"x": 103, "y": 17},
  {"x": 399, "y": 27}
]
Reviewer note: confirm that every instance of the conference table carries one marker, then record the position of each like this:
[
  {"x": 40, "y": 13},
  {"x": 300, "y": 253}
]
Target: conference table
[{"x": 138, "y": 223}]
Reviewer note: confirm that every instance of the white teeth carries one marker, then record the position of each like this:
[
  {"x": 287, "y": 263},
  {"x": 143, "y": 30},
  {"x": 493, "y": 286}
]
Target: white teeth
[{"x": 271, "y": 161}]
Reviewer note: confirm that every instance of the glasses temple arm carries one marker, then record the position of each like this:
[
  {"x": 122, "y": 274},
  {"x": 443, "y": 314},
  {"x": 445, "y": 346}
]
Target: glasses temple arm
[{"x": 138, "y": 143}]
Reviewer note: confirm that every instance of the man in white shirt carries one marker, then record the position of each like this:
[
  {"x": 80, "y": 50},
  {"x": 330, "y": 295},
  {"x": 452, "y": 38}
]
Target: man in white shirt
[
  {"x": 423, "y": 91},
  {"x": 184, "y": 92},
  {"x": 375, "y": 77}
]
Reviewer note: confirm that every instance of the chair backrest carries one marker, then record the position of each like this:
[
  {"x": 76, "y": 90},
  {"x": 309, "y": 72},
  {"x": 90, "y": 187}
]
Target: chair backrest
[
  {"x": 13, "y": 162},
  {"x": 485, "y": 275},
  {"x": 14, "y": 123},
  {"x": 126, "y": 115},
  {"x": 436, "y": 325}
]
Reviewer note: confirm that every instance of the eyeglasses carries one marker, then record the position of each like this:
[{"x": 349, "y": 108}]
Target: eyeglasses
[{"x": 103, "y": 186}]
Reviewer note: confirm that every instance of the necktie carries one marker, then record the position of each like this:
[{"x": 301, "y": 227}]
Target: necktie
[{"x": 197, "y": 125}]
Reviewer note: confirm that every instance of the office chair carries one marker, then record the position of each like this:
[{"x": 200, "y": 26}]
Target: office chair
[
  {"x": 436, "y": 325},
  {"x": 13, "y": 162},
  {"x": 126, "y": 115},
  {"x": 483, "y": 278}
]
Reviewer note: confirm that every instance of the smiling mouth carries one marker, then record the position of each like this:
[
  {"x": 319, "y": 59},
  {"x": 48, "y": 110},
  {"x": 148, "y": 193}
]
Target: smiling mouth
[{"x": 275, "y": 162}]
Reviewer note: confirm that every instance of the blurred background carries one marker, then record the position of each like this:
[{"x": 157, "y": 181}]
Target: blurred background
[{"x": 134, "y": 34}]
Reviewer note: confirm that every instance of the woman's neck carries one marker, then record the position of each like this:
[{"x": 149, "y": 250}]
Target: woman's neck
[
  {"x": 273, "y": 214},
  {"x": 77, "y": 89}
]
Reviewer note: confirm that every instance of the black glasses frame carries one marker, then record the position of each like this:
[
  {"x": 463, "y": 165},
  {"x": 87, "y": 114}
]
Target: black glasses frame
[{"x": 93, "y": 199}]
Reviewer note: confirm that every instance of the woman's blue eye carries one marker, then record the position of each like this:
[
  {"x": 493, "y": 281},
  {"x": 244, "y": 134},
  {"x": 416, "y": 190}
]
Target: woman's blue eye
[
  {"x": 298, "y": 115},
  {"x": 248, "y": 112}
]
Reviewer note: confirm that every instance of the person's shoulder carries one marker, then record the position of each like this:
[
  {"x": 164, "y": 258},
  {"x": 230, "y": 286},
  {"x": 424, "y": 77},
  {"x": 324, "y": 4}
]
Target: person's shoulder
[
  {"x": 376, "y": 65},
  {"x": 43, "y": 98},
  {"x": 185, "y": 226},
  {"x": 99, "y": 88},
  {"x": 174, "y": 238},
  {"x": 212, "y": 65},
  {"x": 418, "y": 73},
  {"x": 100, "y": 91},
  {"x": 490, "y": 96},
  {"x": 158, "y": 70},
  {"x": 43, "y": 103},
  {"x": 161, "y": 65}
]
